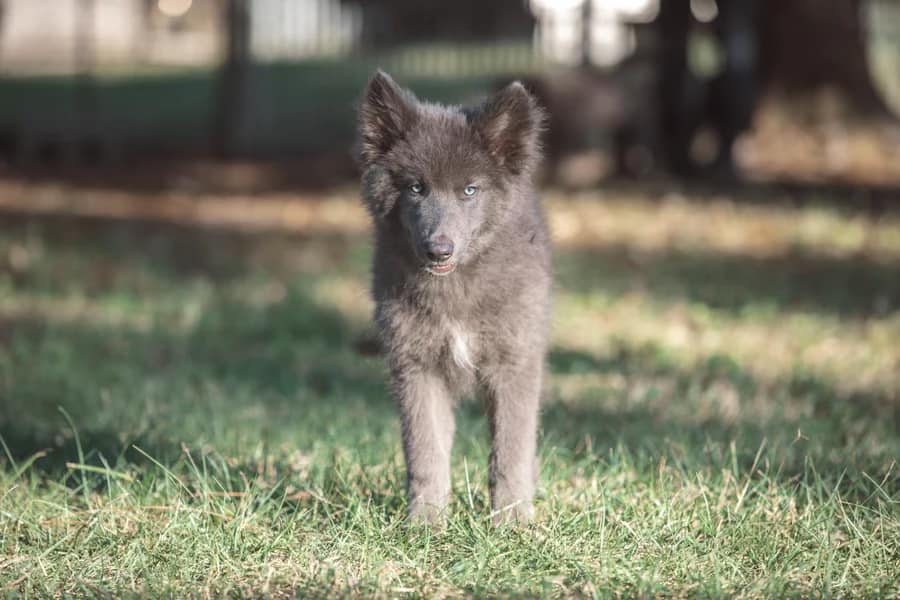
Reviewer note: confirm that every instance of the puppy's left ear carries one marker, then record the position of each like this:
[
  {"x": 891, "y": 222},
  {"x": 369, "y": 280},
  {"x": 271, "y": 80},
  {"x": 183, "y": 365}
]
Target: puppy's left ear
[{"x": 510, "y": 125}]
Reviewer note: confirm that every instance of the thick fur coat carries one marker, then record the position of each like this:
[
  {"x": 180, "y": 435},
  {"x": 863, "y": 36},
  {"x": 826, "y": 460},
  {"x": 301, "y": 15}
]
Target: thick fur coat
[{"x": 461, "y": 280}]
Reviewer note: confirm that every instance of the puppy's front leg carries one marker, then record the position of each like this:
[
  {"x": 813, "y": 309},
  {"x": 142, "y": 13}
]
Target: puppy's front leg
[
  {"x": 427, "y": 419},
  {"x": 513, "y": 396}
]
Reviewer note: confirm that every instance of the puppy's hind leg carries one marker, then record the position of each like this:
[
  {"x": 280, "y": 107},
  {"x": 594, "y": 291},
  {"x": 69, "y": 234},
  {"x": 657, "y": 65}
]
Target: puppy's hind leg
[{"x": 428, "y": 423}]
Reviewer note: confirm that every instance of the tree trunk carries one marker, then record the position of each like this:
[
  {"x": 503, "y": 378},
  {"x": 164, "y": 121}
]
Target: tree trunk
[
  {"x": 808, "y": 45},
  {"x": 233, "y": 77}
]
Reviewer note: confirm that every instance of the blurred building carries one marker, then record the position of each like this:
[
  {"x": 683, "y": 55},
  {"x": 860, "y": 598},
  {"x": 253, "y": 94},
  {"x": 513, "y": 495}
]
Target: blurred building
[
  {"x": 599, "y": 32},
  {"x": 303, "y": 28},
  {"x": 64, "y": 36}
]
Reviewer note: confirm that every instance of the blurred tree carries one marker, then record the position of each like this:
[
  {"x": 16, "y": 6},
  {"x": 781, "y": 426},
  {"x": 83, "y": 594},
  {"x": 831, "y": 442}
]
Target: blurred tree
[
  {"x": 86, "y": 122},
  {"x": 807, "y": 46},
  {"x": 233, "y": 76},
  {"x": 792, "y": 46},
  {"x": 724, "y": 102},
  {"x": 675, "y": 83}
]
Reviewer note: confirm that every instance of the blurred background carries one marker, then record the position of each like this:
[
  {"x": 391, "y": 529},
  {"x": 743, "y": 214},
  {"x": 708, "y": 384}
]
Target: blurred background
[
  {"x": 183, "y": 254},
  {"x": 756, "y": 89}
]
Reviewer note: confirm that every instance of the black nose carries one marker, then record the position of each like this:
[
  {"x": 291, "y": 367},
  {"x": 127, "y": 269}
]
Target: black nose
[{"x": 439, "y": 249}]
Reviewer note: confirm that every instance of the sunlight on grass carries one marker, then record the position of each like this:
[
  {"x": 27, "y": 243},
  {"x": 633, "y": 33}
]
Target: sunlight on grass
[{"x": 721, "y": 412}]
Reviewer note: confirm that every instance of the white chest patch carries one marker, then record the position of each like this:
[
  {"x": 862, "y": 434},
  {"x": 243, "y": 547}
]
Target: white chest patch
[{"x": 460, "y": 348}]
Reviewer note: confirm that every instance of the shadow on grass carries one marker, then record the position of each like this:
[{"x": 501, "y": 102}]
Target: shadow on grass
[
  {"x": 699, "y": 410},
  {"x": 295, "y": 363},
  {"x": 654, "y": 361},
  {"x": 135, "y": 256},
  {"x": 856, "y": 286},
  {"x": 285, "y": 372},
  {"x": 848, "y": 197},
  {"x": 240, "y": 365}
]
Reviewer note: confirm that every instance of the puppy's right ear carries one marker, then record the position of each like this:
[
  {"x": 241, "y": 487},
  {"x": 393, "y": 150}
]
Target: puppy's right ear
[{"x": 385, "y": 114}]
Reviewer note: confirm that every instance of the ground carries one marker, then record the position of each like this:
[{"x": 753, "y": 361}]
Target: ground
[{"x": 190, "y": 403}]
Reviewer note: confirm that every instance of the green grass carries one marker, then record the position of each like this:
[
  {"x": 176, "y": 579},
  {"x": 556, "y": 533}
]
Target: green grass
[{"x": 184, "y": 410}]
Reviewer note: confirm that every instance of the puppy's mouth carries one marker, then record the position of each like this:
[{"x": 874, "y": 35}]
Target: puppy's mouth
[{"x": 440, "y": 269}]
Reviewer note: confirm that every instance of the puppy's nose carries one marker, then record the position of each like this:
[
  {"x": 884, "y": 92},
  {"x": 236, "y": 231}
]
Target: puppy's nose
[{"x": 439, "y": 249}]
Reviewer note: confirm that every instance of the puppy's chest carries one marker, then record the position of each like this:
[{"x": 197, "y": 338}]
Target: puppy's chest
[
  {"x": 460, "y": 345},
  {"x": 457, "y": 343},
  {"x": 453, "y": 344}
]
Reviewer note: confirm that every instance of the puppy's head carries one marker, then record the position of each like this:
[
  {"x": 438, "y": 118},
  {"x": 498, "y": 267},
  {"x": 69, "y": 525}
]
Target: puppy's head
[{"x": 447, "y": 174}]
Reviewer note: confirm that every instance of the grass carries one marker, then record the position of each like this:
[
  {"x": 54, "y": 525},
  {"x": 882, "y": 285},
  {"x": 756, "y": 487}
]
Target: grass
[{"x": 185, "y": 409}]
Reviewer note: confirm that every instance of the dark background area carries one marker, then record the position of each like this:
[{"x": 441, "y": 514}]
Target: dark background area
[{"x": 739, "y": 89}]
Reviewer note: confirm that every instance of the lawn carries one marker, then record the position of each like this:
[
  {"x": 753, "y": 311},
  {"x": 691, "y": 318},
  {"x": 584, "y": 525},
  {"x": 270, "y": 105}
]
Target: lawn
[{"x": 190, "y": 405}]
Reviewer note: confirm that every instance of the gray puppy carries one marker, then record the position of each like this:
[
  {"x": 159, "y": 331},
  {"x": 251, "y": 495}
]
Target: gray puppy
[{"x": 461, "y": 278}]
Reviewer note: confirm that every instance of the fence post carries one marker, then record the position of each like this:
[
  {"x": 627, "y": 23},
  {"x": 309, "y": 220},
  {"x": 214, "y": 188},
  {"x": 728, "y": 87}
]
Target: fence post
[{"x": 232, "y": 78}]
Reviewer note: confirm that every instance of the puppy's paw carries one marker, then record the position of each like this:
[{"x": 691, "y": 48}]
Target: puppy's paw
[
  {"x": 515, "y": 513},
  {"x": 426, "y": 514}
]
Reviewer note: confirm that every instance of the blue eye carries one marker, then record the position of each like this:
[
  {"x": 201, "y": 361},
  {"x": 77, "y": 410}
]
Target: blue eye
[
  {"x": 470, "y": 190},
  {"x": 416, "y": 188}
]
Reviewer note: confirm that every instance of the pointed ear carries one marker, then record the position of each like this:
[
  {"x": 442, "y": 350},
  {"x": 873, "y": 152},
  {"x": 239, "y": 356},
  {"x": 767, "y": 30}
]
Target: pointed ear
[
  {"x": 510, "y": 124},
  {"x": 386, "y": 112}
]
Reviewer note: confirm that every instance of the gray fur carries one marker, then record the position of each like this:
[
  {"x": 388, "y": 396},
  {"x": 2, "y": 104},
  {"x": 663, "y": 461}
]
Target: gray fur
[{"x": 478, "y": 320}]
